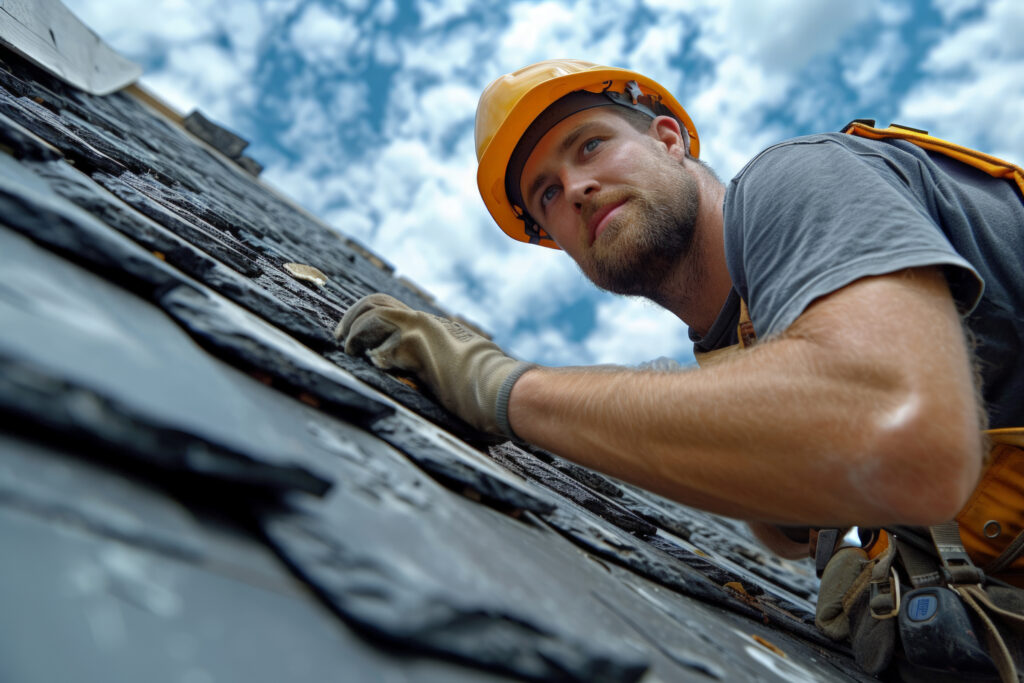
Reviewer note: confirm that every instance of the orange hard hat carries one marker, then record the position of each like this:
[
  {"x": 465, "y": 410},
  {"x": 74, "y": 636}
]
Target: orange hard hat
[{"x": 511, "y": 105}]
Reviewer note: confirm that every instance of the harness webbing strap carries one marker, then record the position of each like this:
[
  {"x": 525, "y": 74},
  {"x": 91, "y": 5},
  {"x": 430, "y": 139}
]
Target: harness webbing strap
[
  {"x": 993, "y": 166},
  {"x": 955, "y": 559},
  {"x": 921, "y": 568}
]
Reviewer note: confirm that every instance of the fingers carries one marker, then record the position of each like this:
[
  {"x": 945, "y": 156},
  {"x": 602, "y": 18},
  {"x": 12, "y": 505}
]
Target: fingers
[
  {"x": 369, "y": 332},
  {"x": 465, "y": 371},
  {"x": 365, "y": 305}
]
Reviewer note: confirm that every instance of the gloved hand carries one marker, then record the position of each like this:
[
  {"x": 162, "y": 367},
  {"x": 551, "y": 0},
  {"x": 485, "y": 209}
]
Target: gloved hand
[{"x": 470, "y": 375}]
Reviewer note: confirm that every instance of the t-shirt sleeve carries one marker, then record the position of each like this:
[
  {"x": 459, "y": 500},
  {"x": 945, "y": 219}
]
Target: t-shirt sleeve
[{"x": 808, "y": 217}]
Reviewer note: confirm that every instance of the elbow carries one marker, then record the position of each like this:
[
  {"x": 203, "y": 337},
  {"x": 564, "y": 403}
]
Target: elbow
[
  {"x": 935, "y": 500},
  {"x": 929, "y": 464}
]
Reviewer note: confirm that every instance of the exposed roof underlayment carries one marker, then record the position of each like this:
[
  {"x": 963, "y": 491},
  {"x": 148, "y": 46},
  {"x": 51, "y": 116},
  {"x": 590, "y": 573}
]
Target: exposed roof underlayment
[{"x": 196, "y": 484}]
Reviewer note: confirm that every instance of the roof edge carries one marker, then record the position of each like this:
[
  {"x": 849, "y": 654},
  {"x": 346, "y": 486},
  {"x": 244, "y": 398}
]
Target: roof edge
[{"x": 46, "y": 33}]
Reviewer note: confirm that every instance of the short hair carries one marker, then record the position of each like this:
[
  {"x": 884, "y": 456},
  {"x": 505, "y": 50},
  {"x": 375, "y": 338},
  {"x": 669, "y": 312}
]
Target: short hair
[{"x": 641, "y": 121}]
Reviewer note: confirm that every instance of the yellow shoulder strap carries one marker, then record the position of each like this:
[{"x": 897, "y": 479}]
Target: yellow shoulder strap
[
  {"x": 992, "y": 520},
  {"x": 744, "y": 332},
  {"x": 994, "y": 166}
]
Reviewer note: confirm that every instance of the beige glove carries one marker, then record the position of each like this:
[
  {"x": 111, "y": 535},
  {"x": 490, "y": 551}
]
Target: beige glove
[{"x": 470, "y": 375}]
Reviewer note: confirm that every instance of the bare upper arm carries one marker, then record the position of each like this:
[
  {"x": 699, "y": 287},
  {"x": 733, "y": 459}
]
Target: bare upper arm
[
  {"x": 896, "y": 344},
  {"x": 899, "y": 329}
]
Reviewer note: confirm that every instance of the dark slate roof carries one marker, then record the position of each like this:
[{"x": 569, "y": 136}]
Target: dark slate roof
[{"x": 197, "y": 485}]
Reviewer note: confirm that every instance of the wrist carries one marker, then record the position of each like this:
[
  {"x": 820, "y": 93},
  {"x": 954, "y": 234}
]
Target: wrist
[
  {"x": 504, "y": 399},
  {"x": 523, "y": 412}
]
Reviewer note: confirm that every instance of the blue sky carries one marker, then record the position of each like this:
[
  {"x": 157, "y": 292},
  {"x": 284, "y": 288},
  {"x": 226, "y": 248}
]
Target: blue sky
[{"x": 362, "y": 111}]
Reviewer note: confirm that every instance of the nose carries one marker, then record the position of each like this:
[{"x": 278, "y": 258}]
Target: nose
[{"x": 578, "y": 186}]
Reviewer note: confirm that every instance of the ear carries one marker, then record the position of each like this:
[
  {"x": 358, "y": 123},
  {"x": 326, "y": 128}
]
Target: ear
[{"x": 668, "y": 132}]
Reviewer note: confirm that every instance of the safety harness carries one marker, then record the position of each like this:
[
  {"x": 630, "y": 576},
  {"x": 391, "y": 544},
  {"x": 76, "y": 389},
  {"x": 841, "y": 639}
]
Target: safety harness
[
  {"x": 947, "y": 599},
  {"x": 994, "y": 166}
]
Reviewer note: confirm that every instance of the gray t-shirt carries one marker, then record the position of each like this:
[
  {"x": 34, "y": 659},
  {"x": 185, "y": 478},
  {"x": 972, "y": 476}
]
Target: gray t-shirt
[{"x": 811, "y": 215}]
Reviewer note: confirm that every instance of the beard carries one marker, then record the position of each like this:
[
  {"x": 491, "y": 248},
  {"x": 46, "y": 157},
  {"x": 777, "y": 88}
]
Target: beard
[{"x": 648, "y": 240}]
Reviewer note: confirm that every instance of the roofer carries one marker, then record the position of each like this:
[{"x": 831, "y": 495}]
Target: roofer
[{"x": 877, "y": 275}]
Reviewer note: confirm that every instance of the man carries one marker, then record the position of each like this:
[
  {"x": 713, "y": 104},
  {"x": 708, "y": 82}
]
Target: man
[{"x": 857, "y": 259}]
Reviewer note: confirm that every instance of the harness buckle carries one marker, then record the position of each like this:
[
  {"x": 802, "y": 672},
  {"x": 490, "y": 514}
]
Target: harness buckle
[{"x": 884, "y": 597}]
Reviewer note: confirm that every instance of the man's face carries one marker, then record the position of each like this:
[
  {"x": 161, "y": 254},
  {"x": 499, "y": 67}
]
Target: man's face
[{"x": 618, "y": 201}]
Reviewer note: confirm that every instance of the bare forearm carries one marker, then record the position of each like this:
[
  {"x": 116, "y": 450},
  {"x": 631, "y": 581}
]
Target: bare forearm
[
  {"x": 720, "y": 443},
  {"x": 792, "y": 432}
]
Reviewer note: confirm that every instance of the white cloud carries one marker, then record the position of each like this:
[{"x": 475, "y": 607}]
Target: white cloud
[
  {"x": 385, "y": 12},
  {"x": 323, "y": 36},
  {"x": 894, "y": 13},
  {"x": 952, "y": 9},
  {"x": 631, "y": 331},
  {"x": 444, "y": 55},
  {"x": 548, "y": 346},
  {"x": 536, "y": 29},
  {"x": 434, "y": 13},
  {"x": 628, "y": 331},
  {"x": 585, "y": 29},
  {"x": 243, "y": 26},
  {"x": 524, "y": 283},
  {"x": 728, "y": 113},
  {"x": 205, "y": 52},
  {"x": 974, "y": 92},
  {"x": 782, "y": 35},
  {"x": 308, "y": 121},
  {"x": 869, "y": 70},
  {"x": 384, "y": 51},
  {"x": 974, "y": 111},
  {"x": 655, "y": 51},
  {"x": 131, "y": 28},
  {"x": 315, "y": 126},
  {"x": 994, "y": 36},
  {"x": 438, "y": 113}
]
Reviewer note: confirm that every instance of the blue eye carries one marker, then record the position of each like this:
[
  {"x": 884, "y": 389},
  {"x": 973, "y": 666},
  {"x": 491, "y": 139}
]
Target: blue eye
[
  {"x": 591, "y": 144},
  {"x": 548, "y": 194}
]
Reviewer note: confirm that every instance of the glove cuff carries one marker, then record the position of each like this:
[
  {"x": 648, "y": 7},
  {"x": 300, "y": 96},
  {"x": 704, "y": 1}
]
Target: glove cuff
[{"x": 501, "y": 405}]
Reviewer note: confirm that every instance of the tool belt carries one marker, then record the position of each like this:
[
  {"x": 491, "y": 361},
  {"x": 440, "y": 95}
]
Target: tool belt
[{"x": 947, "y": 599}]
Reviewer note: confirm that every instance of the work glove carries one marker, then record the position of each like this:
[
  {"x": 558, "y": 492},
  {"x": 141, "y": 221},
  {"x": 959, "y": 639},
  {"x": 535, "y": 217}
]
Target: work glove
[{"x": 470, "y": 375}]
